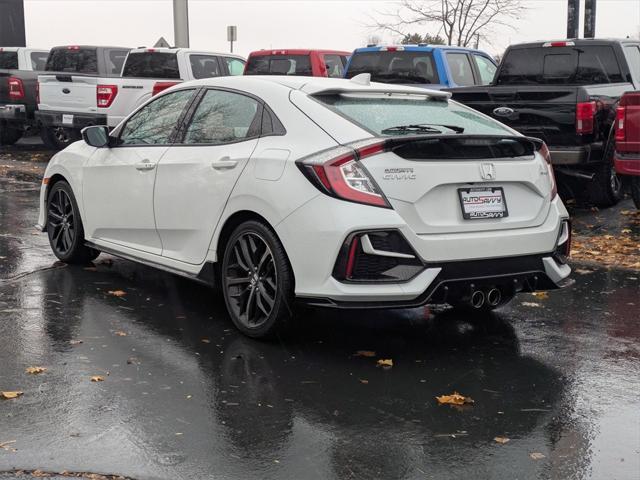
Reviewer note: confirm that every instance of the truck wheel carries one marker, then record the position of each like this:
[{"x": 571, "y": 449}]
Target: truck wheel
[
  {"x": 58, "y": 138},
  {"x": 635, "y": 191},
  {"x": 605, "y": 189},
  {"x": 9, "y": 135}
]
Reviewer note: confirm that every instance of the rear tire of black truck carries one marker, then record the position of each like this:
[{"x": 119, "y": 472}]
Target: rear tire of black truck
[
  {"x": 634, "y": 185},
  {"x": 58, "y": 138},
  {"x": 9, "y": 135},
  {"x": 605, "y": 188}
]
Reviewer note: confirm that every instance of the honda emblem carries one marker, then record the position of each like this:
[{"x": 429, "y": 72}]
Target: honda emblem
[{"x": 488, "y": 171}]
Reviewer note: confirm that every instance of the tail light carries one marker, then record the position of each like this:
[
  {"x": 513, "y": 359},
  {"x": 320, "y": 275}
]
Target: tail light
[
  {"x": 160, "y": 86},
  {"x": 16, "y": 88},
  {"x": 585, "y": 117},
  {"x": 621, "y": 113},
  {"x": 544, "y": 151},
  {"x": 563, "y": 244},
  {"x": 559, "y": 44},
  {"x": 339, "y": 173},
  {"x": 105, "y": 95}
]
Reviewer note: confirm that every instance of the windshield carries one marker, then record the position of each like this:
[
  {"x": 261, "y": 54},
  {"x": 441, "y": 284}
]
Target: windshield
[
  {"x": 279, "y": 65},
  {"x": 73, "y": 60},
  {"x": 395, "y": 67},
  {"x": 151, "y": 65},
  {"x": 385, "y": 115}
]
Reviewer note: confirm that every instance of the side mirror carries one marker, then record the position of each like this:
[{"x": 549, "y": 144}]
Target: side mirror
[{"x": 96, "y": 136}]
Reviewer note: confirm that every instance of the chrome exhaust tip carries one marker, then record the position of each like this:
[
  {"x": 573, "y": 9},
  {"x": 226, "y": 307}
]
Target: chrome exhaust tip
[
  {"x": 493, "y": 297},
  {"x": 477, "y": 299}
]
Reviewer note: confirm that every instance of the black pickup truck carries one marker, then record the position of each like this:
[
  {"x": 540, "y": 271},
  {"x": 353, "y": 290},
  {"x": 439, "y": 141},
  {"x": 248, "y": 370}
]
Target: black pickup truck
[
  {"x": 19, "y": 69},
  {"x": 565, "y": 92}
]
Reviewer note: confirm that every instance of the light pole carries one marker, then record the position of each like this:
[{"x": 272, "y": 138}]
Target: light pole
[
  {"x": 181, "y": 23},
  {"x": 589, "y": 18}
]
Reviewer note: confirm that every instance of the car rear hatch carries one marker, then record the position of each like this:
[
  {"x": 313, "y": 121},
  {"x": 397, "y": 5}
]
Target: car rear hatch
[{"x": 455, "y": 184}]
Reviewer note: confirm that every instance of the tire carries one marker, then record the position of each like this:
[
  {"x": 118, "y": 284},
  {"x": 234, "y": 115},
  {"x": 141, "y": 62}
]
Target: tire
[
  {"x": 257, "y": 280},
  {"x": 64, "y": 226},
  {"x": 9, "y": 135},
  {"x": 605, "y": 189},
  {"x": 58, "y": 138},
  {"x": 634, "y": 185}
]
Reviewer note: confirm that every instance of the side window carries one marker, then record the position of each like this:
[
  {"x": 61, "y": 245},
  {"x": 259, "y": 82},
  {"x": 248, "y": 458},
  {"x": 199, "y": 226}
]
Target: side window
[
  {"x": 115, "y": 60},
  {"x": 223, "y": 117},
  {"x": 335, "y": 67},
  {"x": 486, "y": 68},
  {"x": 632, "y": 52},
  {"x": 460, "y": 69},
  {"x": 234, "y": 65},
  {"x": 204, "y": 66},
  {"x": 154, "y": 123},
  {"x": 38, "y": 60}
]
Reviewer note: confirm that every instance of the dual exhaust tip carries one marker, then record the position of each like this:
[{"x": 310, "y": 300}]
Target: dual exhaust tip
[{"x": 491, "y": 298}]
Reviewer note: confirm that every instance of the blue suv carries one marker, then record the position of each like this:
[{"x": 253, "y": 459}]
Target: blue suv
[{"x": 432, "y": 66}]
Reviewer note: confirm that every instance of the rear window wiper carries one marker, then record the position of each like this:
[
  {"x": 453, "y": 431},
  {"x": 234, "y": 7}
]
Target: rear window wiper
[{"x": 421, "y": 128}]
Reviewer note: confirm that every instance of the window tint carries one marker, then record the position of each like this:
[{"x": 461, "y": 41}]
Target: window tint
[
  {"x": 279, "y": 65},
  {"x": 73, "y": 60},
  {"x": 486, "y": 68},
  {"x": 115, "y": 60},
  {"x": 223, "y": 117},
  {"x": 378, "y": 113},
  {"x": 632, "y": 52},
  {"x": 235, "y": 65},
  {"x": 580, "y": 65},
  {"x": 151, "y": 65},
  {"x": 335, "y": 65},
  {"x": 460, "y": 69},
  {"x": 38, "y": 60},
  {"x": 395, "y": 67},
  {"x": 9, "y": 60},
  {"x": 154, "y": 123},
  {"x": 204, "y": 66}
]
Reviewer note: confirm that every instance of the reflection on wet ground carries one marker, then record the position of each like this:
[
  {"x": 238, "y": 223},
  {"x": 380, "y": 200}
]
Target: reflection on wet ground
[{"x": 186, "y": 396}]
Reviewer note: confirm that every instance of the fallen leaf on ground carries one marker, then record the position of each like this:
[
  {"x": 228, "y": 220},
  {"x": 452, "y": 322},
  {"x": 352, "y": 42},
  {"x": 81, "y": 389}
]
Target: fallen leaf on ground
[
  {"x": 97, "y": 378},
  {"x": 5, "y": 446},
  {"x": 536, "y": 456},
  {"x": 540, "y": 295},
  {"x": 530, "y": 304},
  {"x": 10, "y": 395},
  {"x": 454, "y": 399},
  {"x": 362, "y": 380},
  {"x": 501, "y": 440},
  {"x": 626, "y": 230},
  {"x": 120, "y": 333},
  {"x": 583, "y": 271},
  {"x": 117, "y": 293},
  {"x": 365, "y": 353},
  {"x": 35, "y": 370},
  {"x": 205, "y": 340},
  {"x": 385, "y": 362},
  {"x": 75, "y": 342}
]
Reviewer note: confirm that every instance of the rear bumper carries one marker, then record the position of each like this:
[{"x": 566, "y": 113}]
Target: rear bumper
[
  {"x": 575, "y": 155},
  {"x": 52, "y": 118},
  {"x": 15, "y": 113},
  {"x": 627, "y": 163}
]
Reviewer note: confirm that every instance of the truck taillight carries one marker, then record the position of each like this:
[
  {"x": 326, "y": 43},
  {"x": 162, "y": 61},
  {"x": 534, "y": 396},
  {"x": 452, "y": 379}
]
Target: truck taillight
[
  {"x": 16, "y": 88},
  {"x": 105, "y": 95},
  {"x": 621, "y": 113},
  {"x": 160, "y": 86},
  {"x": 585, "y": 117}
]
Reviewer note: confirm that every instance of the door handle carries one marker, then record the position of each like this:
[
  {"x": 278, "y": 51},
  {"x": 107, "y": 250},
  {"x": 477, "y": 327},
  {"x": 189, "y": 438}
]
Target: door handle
[
  {"x": 225, "y": 163},
  {"x": 145, "y": 165}
]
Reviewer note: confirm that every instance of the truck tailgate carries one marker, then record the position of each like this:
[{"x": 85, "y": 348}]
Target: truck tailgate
[
  {"x": 68, "y": 93},
  {"x": 132, "y": 92}
]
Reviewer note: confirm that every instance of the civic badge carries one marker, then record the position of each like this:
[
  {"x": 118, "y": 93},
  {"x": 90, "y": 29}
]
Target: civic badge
[
  {"x": 488, "y": 171},
  {"x": 503, "y": 111}
]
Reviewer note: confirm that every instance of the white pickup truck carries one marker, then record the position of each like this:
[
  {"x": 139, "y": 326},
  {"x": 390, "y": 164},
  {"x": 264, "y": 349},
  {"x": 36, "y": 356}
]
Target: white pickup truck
[{"x": 70, "y": 101}]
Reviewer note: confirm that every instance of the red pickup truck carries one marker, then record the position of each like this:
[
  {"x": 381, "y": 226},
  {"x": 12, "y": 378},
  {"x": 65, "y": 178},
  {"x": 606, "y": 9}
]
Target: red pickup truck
[
  {"x": 627, "y": 154},
  {"x": 309, "y": 63}
]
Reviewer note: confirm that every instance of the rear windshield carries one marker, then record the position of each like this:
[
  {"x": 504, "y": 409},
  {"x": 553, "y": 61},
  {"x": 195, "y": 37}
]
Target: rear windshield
[
  {"x": 151, "y": 65},
  {"x": 74, "y": 60},
  {"x": 378, "y": 113},
  {"x": 395, "y": 67},
  {"x": 299, "y": 65},
  {"x": 580, "y": 65},
  {"x": 9, "y": 60}
]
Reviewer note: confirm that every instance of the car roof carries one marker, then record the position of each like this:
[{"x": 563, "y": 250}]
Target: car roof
[
  {"x": 185, "y": 50},
  {"x": 295, "y": 51},
  {"x": 414, "y": 48},
  {"x": 89, "y": 46},
  {"x": 576, "y": 41},
  {"x": 15, "y": 49}
]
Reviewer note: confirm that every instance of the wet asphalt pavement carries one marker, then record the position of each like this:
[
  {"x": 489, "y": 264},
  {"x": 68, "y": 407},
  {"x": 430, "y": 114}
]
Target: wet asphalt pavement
[{"x": 186, "y": 396}]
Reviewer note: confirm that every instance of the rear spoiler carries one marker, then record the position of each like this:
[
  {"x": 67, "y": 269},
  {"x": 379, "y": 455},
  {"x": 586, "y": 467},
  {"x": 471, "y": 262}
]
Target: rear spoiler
[{"x": 436, "y": 94}]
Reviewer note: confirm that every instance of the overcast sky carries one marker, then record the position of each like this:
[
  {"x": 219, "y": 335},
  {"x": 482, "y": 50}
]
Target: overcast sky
[{"x": 279, "y": 24}]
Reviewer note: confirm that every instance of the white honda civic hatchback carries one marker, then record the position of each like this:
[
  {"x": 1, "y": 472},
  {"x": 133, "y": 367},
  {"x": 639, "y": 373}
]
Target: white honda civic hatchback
[{"x": 335, "y": 193}]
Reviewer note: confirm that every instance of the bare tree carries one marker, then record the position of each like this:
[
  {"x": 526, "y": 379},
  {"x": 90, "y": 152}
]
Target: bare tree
[{"x": 461, "y": 22}]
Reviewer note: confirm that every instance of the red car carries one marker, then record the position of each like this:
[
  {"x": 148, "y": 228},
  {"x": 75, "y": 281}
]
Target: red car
[
  {"x": 627, "y": 156},
  {"x": 310, "y": 63}
]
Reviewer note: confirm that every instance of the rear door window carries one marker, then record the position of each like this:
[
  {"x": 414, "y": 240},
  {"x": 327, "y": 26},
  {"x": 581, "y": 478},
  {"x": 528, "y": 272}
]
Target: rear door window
[
  {"x": 73, "y": 60},
  {"x": 395, "y": 67},
  {"x": 234, "y": 65},
  {"x": 9, "y": 60},
  {"x": 460, "y": 69},
  {"x": 577, "y": 65},
  {"x": 486, "y": 68},
  {"x": 335, "y": 65},
  {"x": 632, "y": 52},
  {"x": 279, "y": 65},
  {"x": 115, "y": 60},
  {"x": 151, "y": 65},
  {"x": 38, "y": 60},
  {"x": 204, "y": 66}
]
